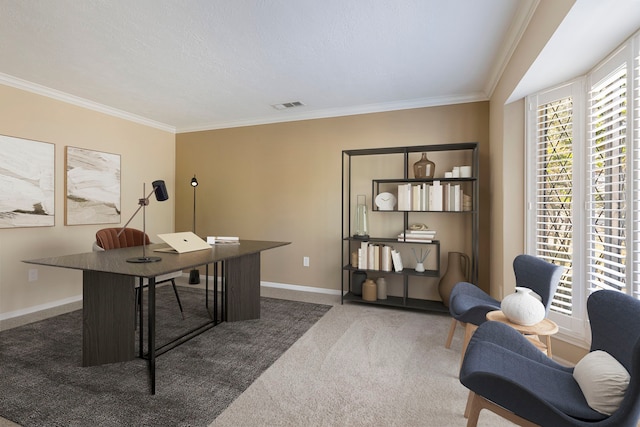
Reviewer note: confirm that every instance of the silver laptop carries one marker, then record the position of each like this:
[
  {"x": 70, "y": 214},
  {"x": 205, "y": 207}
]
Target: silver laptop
[{"x": 182, "y": 242}]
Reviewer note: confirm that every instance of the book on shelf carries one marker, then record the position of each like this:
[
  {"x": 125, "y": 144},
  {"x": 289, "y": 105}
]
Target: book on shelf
[
  {"x": 397, "y": 260},
  {"x": 404, "y": 197},
  {"x": 467, "y": 204},
  {"x": 374, "y": 257},
  {"x": 435, "y": 196},
  {"x": 420, "y": 232},
  {"x": 452, "y": 197},
  {"x": 416, "y": 198},
  {"x": 415, "y": 239},
  {"x": 223, "y": 240},
  {"x": 386, "y": 263},
  {"x": 363, "y": 255},
  {"x": 417, "y": 236},
  {"x": 424, "y": 206}
]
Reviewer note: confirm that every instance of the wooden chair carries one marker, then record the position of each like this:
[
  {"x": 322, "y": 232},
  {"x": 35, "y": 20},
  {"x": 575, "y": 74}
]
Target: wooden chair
[{"x": 108, "y": 238}]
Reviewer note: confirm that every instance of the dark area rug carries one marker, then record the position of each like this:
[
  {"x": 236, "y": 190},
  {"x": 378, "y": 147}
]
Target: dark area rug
[{"x": 42, "y": 382}]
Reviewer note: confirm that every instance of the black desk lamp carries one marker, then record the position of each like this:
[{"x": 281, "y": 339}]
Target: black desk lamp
[
  {"x": 161, "y": 195},
  {"x": 194, "y": 275}
]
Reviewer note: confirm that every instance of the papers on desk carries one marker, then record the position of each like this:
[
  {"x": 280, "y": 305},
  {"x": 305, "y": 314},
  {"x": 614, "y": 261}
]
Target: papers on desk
[{"x": 223, "y": 240}]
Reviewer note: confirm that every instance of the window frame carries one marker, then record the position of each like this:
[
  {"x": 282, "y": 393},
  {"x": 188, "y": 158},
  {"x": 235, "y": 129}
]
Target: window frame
[{"x": 574, "y": 327}]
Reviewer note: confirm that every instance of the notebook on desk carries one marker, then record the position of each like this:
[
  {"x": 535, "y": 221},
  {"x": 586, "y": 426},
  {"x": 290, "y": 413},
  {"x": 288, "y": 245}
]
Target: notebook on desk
[{"x": 182, "y": 242}]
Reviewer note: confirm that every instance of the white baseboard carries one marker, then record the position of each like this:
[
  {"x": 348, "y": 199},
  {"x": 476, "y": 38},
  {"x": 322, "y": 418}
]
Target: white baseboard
[
  {"x": 300, "y": 288},
  {"x": 76, "y": 298},
  {"x": 49, "y": 306},
  {"x": 41, "y": 307}
]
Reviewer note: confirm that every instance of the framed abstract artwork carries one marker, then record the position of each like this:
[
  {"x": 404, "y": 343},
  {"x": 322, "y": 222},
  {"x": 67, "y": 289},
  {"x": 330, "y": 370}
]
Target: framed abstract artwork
[
  {"x": 27, "y": 183},
  {"x": 92, "y": 181}
]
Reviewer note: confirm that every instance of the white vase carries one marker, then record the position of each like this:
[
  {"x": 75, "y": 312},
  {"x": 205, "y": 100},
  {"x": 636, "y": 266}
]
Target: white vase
[
  {"x": 523, "y": 307},
  {"x": 382, "y": 288}
]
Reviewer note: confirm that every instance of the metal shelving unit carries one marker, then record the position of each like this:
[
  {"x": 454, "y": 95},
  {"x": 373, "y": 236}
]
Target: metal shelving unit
[{"x": 349, "y": 242}]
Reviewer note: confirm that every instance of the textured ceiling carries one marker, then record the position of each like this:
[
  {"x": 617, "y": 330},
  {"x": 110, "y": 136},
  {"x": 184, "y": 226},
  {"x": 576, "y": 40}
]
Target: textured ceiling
[{"x": 204, "y": 64}]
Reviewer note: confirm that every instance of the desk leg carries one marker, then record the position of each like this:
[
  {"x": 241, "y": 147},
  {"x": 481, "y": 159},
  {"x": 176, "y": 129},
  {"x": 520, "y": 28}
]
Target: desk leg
[
  {"x": 242, "y": 293},
  {"x": 223, "y": 299},
  {"x": 212, "y": 315},
  {"x": 108, "y": 318},
  {"x": 140, "y": 319},
  {"x": 151, "y": 319},
  {"x": 215, "y": 293}
]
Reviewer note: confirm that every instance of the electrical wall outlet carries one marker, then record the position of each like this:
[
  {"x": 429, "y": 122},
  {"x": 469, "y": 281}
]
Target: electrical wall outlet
[
  {"x": 33, "y": 274},
  {"x": 305, "y": 261}
]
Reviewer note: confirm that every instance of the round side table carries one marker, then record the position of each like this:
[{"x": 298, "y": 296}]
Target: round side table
[{"x": 544, "y": 328}]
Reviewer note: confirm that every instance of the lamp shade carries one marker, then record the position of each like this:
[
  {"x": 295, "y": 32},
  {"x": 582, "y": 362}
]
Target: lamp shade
[{"x": 161, "y": 190}]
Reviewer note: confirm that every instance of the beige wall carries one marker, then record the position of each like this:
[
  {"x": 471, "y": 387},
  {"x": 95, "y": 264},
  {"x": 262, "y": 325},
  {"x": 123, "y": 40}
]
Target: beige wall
[
  {"x": 507, "y": 129},
  {"x": 507, "y": 146},
  {"x": 283, "y": 181},
  {"x": 146, "y": 154}
]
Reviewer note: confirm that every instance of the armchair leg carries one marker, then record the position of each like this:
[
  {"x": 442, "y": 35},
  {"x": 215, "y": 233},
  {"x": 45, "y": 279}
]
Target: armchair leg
[
  {"x": 477, "y": 403},
  {"x": 175, "y": 290},
  {"x": 452, "y": 330},
  {"x": 469, "y": 329},
  {"x": 472, "y": 411},
  {"x": 467, "y": 408}
]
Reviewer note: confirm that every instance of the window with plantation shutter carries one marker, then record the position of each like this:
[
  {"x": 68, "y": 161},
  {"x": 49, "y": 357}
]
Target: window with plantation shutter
[
  {"x": 583, "y": 184},
  {"x": 606, "y": 190},
  {"x": 554, "y": 192},
  {"x": 634, "y": 162}
]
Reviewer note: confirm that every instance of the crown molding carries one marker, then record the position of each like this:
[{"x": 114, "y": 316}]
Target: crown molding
[
  {"x": 280, "y": 117},
  {"x": 514, "y": 35},
  {"x": 17, "y": 83},
  {"x": 290, "y": 116}
]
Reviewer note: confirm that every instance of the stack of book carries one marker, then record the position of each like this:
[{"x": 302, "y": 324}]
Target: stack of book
[
  {"x": 436, "y": 196},
  {"x": 467, "y": 204},
  {"x": 377, "y": 257},
  {"x": 223, "y": 240},
  {"x": 417, "y": 236}
]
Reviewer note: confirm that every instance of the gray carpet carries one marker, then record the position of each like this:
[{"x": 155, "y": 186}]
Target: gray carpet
[{"x": 43, "y": 383}]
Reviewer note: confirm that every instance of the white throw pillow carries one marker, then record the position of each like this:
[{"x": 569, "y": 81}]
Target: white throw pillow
[{"x": 603, "y": 381}]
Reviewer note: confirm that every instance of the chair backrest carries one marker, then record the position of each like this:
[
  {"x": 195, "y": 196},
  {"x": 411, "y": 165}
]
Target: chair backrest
[
  {"x": 539, "y": 275},
  {"x": 615, "y": 325},
  {"x": 108, "y": 238},
  {"x": 615, "y": 328}
]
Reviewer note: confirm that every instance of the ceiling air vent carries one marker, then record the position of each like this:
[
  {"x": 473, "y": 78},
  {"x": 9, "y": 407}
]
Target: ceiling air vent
[{"x": 287, "y": 105}]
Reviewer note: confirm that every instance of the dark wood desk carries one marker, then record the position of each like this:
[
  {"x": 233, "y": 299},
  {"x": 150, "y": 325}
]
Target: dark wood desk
[{"x": 108, "y": 314}]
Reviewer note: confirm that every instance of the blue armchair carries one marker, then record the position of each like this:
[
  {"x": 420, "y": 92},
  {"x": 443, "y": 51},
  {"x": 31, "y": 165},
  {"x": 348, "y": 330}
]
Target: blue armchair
[
  {"x": 469, "y": 305},
  {"x": 506, "y": 374}
]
